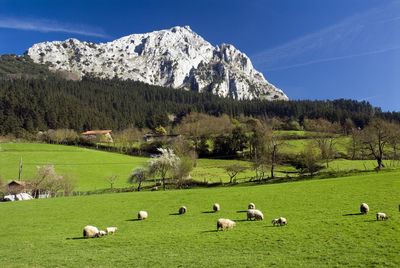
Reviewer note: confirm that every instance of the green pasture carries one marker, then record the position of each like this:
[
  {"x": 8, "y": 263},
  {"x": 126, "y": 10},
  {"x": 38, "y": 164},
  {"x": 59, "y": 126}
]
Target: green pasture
[
  {"x": 295, "y": 146},
  {"x": 89, "y": 167},
  {"x": 324, "y": 228}
]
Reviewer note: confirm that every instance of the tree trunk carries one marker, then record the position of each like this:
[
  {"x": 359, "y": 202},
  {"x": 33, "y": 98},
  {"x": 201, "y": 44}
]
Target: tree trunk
[
  {"x": 380, "y": 163},
  {"x": 272, "y": 170},
  {"x": 163, "y": 183}
]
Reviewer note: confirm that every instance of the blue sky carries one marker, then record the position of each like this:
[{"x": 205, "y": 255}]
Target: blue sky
[{"x": 311, "y": 49}]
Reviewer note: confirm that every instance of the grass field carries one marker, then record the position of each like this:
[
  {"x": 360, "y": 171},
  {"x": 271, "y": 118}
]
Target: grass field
[
  {"x": 324, "y": 227},
  {"x": 89, "y": 167}
]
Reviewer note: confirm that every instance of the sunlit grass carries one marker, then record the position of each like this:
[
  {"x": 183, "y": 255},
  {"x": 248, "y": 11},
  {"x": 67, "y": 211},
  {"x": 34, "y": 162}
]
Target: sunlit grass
[{"x": 324, "y": 227}]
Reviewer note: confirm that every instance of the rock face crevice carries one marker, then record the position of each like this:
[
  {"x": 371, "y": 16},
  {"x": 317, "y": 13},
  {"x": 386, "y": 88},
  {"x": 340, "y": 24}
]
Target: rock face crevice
[{"x": 177, "y": 58}]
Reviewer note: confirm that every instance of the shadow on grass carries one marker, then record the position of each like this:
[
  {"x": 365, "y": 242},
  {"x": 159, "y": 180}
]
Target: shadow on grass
[
  {"x": 240, "y": 220},
  {"x": 353, "y": 214},
  {"x": 211, "y": 231},
  {"x": 133, "y": 220},
  {"x": 76, "y": 238},
  {"x": 172, "y": 214},
  {"x": 208, "y": 211},
  {"x": 241, "y": 211}
]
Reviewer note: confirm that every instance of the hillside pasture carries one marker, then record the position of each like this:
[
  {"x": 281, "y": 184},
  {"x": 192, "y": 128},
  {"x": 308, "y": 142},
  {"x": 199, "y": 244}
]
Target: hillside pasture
[
  {"x": 325, "y": 227},
  {"x": 89, "y": 167}
]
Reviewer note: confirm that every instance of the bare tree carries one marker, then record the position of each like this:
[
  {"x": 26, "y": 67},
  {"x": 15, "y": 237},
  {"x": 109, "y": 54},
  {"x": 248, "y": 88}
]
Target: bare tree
[
  {"x": 355, "y": 145},
  {"x": 264, "y": 148},
  {"x": 374, "y": 139},
  {"x": 138, "y": 175},
  {"x": 307, "y": 160},
  {"x": 111, "y": 180},
  {"x": 127, "y": 138},
  {"x": 234, "y": 169},
  {"x": 48, "y": 181},
  {"x": 183, "y": 169},
  {"x": 182, "y": 148},
  {"x": 326, "y": 145}
]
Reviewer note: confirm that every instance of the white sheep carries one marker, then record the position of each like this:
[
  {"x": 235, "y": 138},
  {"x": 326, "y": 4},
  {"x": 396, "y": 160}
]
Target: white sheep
[
  {"x": 282, "y": 221},
  {"x": 275, "y": 221},
  {"x": 216, "y": 207},
  {"x": 381, "y": 215},
  {"x": 90, "y": 232},
  {"x": 254, "y": 213},
  {"x": 225, "y": 224},
  {"x": 364, "y": 208},
  {"x": 182, "y": 210},
  {"x": 252, "y": 206},
  {"x": 142, "y": 215},
  {"x": 111, "y": 230},
  {"x": 102, "y": 233}
]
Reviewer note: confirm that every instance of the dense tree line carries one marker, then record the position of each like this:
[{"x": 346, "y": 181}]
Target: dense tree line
[{"x": 47, "y": 101}]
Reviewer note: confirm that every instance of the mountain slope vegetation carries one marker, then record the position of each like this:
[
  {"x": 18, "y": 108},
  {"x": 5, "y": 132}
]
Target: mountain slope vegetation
[{"x": 41, "y": 100}]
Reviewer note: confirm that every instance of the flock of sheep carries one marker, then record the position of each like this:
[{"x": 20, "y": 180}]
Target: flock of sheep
[
  {"x": 91, "y": 231},
  {"x": 364, "y": 209},
  {"x": 223, "y": 224}
]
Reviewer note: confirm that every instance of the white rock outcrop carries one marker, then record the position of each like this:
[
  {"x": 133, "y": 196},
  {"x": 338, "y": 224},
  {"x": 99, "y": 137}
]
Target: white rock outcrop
[{"x": 177, "y": 58}]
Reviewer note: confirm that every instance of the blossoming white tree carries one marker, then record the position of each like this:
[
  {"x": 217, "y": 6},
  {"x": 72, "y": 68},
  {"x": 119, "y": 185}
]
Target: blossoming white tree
[{"x": 163, "y": 163}]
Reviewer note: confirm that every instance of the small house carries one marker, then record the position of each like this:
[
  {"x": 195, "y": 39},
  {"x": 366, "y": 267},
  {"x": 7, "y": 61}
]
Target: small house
[
  {"x": 102, "y": 135},
  {"x": 16, "y": 187}
]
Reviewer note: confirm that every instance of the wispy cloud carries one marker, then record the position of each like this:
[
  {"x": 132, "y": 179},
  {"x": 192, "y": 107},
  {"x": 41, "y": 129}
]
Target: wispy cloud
[
  {"x": 371, "y": 32},
  {"x": 44, "y": 25}
]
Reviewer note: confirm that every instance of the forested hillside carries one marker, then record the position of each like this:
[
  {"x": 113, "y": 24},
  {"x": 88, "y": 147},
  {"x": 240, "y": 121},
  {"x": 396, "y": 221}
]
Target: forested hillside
[{"x": 41, "y": 100}]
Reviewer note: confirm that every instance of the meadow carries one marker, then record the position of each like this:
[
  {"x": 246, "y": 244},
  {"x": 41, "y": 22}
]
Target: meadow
[
  {"x": 91, "y": 168},
  {"x": 324, "y": 228}
]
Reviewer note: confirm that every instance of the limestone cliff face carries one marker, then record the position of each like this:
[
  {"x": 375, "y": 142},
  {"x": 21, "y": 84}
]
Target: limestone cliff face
[{"x": 177, "y": 58}]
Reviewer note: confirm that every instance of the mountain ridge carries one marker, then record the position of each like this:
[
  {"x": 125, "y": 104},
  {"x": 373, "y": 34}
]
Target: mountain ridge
[{"x": 176, "y": 57}]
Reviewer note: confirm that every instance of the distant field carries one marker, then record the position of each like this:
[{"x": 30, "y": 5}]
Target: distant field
[
  {"x": 92, "y": 167},
  {"x": 295, "y": 146},
  {"x": 89, "y": 167},
  {"x": 324, "y": 227}
]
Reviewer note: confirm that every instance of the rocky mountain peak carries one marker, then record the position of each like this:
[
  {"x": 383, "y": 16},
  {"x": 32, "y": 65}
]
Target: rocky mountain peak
[{"x": 177, "y": 58}]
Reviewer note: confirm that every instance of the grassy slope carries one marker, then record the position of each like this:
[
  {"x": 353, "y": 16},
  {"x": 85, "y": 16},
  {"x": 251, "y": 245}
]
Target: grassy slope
[
  {"x": 89, "y": 167},
  {"x": 47, "y": 232}
]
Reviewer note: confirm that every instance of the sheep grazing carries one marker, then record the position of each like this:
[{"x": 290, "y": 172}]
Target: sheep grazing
[
  {"x": 111, "y": 230},
  {"x": 155, "y": 188},
  {"x": 102, "y": 233},
  {"x": 364, "y": 208},
  {"x": 216, "y": 207},
  {"x": 382, "y": 216},
  {"x": 90, "y": 232},
  {"x": 142, "y": 215},
  {"x": 282, "y": 221},
  {"x": 252, "y": 206},
  {"x": 254, "y": 213},
  {"x": 182, "y": 210},
  {"x": 275, "y": 221},
  {"x": 225, "y": 224}
]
